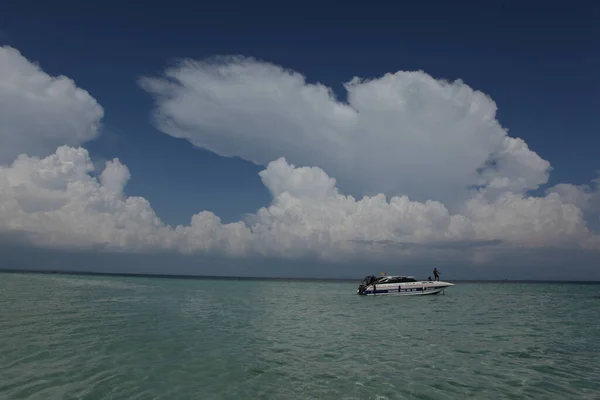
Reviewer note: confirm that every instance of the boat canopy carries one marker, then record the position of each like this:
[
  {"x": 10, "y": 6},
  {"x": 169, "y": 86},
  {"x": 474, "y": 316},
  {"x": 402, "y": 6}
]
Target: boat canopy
[
  {"x": 397, "y": 279},
  {"x": 371, "y": 279}
]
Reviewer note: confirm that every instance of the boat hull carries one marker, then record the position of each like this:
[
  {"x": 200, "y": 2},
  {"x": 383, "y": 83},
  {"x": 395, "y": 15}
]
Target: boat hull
[
  {"x": 430, "y": 292},
  {"x": 411, "y": 289}
]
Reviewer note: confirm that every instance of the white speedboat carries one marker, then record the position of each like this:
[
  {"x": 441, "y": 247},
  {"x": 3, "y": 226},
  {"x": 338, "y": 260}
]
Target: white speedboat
[{"x": 400, "y": 285}]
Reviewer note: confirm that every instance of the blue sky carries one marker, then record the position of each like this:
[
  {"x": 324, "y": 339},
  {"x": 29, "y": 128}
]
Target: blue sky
[{"x": 537, "y": 61}]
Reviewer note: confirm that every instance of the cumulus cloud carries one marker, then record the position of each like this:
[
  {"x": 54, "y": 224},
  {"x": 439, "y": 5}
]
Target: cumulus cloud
[
  {"x": 586, "y": 197},
  {"x": 405, "y": 133},
  {"x": 39, "y": 112},
  {"x": 402, "y": 133},
  {"x": 58, "y": 197}
]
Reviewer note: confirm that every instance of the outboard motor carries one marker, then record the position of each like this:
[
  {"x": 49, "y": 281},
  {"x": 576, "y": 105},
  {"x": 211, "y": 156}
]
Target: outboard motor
[
  {"x": 369, "y": 279},
  {"x": 361, "y": 289}
]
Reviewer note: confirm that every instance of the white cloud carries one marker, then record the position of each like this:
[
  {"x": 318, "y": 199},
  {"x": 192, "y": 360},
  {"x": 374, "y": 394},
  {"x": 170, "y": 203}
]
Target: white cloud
[
  {"x": 403, "y": 133},
  {"x": 585, "y": 197},
  {"x": 39, "y": 112},
  {"x": 114, "y": 177},
  {"x": 60, "y": 201},
  {"x": 57, "y": 197}
]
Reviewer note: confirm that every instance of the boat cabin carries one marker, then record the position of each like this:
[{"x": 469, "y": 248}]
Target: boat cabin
[
  {"x": 396, "y": 279},
  {"x": 369, "y": 280}
]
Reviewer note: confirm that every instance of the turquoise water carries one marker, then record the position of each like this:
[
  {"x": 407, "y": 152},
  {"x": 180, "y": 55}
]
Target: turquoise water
[{"x": 74, "y": 337}]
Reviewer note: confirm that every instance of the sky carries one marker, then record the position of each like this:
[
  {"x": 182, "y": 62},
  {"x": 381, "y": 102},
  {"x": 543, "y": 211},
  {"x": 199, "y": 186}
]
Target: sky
[{"x": 258, "y": 139}]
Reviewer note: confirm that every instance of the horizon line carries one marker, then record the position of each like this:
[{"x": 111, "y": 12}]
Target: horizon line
[{"x": 240, "y": 277}]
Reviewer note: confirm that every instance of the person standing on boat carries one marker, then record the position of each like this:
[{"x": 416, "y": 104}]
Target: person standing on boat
[{"x": 436, "y": 274}]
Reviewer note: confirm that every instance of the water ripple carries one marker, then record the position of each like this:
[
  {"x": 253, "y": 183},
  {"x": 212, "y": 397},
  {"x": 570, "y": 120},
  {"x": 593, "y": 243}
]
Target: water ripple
[{"x": 135, "y": 338}]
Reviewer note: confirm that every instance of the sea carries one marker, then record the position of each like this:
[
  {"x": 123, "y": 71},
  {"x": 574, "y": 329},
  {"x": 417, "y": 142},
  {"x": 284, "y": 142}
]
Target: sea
[{"x": 115, "y": 337}]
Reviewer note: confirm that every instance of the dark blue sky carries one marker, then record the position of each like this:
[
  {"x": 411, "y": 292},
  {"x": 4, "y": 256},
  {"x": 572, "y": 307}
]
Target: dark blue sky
[{"x": 538, "y": 60}]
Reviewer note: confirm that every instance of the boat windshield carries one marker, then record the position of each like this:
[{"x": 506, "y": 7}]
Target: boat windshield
[
  {"x": 370, "y": 279},
  {"x": 397, "y": 279}
]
